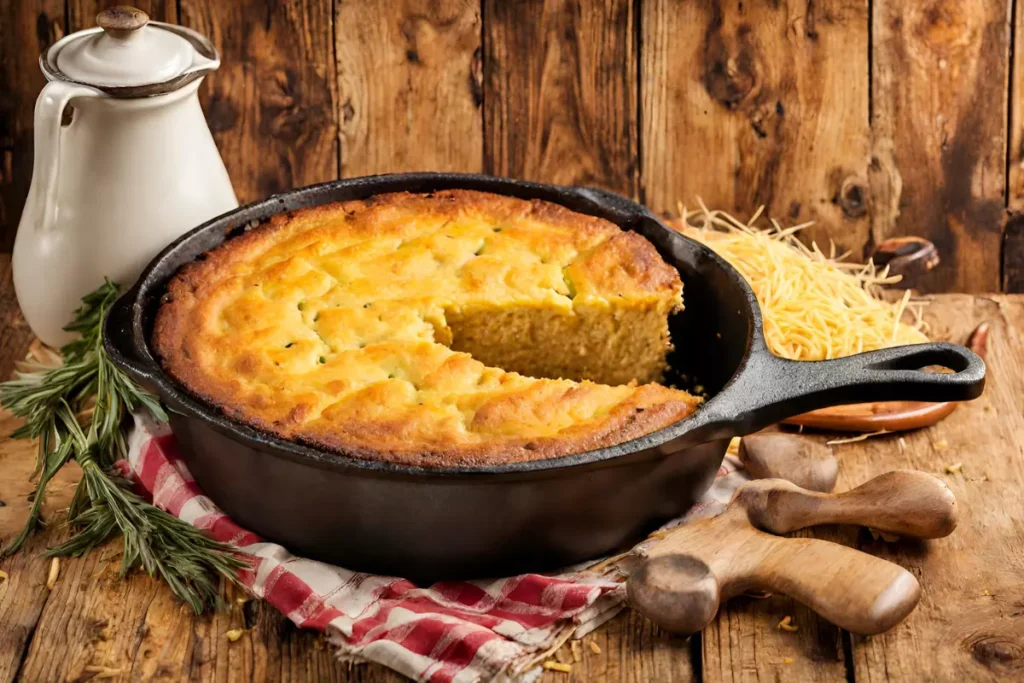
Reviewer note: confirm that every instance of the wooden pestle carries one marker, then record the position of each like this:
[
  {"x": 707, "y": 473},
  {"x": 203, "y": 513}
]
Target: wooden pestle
[
  {"x": 803, "y": 461},
  {"x": 695, "y": 567},
  {"x": 903, "y": 502}
]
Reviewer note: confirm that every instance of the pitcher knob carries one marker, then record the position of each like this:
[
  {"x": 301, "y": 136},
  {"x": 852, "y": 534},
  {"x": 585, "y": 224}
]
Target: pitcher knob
[{"x": 121, "y": 22}]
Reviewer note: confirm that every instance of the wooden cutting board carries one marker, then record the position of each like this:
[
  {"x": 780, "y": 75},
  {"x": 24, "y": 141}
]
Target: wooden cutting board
[{"x": 693, "y": 568}]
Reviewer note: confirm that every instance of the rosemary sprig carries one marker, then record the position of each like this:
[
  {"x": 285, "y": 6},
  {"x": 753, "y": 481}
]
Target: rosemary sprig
[{"x": 77, "y": 410}]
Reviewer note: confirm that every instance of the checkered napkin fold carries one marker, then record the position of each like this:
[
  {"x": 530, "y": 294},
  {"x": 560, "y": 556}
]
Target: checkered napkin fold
[{"x": 495, "y": 629}]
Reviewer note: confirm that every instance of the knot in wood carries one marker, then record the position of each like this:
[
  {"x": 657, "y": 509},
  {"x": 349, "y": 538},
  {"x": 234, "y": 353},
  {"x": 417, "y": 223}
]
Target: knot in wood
[
  {"x": 998, "y": 652},
  {"x": 730, "y": 67},
  {"x": 852, "y": 198},
  {"x": 945, "y": 26}
]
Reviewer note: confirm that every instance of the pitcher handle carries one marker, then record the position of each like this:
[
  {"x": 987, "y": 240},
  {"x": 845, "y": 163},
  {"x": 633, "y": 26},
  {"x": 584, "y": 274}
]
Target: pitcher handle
[{"x": 46, "y": 162}]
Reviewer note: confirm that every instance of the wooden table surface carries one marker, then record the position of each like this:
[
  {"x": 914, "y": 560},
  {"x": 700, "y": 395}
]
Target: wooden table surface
[
  {"x": 871, "y": 118},
  {"x": 969, "y": 625}
]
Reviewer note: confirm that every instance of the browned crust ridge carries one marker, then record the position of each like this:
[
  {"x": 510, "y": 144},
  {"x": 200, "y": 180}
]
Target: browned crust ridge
[{"x": 649, "y": 408}]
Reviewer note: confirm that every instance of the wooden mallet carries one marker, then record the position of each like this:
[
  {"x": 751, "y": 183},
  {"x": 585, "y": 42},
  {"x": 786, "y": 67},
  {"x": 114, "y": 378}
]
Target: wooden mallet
[{"x": 687, "y": 575}]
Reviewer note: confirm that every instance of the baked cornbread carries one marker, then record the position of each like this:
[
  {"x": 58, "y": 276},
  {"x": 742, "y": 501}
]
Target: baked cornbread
[{"x": 446, "y": 329}]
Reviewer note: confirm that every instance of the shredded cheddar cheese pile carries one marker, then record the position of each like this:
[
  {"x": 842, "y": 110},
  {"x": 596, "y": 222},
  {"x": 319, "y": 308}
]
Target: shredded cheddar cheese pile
[{"x": 814, "y": 306}]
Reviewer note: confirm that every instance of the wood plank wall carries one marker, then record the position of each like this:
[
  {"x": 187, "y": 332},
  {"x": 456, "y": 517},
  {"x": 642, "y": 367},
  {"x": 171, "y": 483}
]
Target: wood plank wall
[{"x": 873, "y": 118}]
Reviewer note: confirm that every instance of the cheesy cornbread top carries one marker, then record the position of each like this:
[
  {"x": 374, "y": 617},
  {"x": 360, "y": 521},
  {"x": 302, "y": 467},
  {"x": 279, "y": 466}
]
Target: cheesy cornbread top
[{"x": 393, "y": 327}]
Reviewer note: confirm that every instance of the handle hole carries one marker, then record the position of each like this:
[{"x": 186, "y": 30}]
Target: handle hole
[{"x": 926, "y": 360}]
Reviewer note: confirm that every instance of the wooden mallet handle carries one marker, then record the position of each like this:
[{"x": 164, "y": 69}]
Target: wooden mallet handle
[
  {"x": 778, "y": 455},
  {"x": 694, "y": 567},
  {"x": 681, "y": 591},
  {"x": 904, "y": 503}
]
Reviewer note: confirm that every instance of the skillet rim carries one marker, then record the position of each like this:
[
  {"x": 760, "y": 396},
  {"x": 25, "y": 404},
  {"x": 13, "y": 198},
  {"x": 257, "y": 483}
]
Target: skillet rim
[{"x": 626, "y": 210}]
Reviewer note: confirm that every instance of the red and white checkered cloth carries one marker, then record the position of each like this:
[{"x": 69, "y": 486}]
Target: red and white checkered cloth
[{"x": 451, "y": 631}]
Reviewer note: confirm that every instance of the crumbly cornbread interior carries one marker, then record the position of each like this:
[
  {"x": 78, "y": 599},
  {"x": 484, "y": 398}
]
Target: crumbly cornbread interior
[{"x": 454, "y": 328}]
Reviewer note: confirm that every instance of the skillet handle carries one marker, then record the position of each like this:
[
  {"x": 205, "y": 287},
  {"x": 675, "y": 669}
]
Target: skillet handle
[{"x": 771, "y": 389}]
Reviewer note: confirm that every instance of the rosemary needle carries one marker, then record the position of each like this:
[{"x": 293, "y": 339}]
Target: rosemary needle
[{"x": 55, "y": 404}]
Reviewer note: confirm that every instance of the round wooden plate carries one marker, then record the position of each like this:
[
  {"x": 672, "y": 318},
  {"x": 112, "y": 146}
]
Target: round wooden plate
[{"x": 895, "y": 416}]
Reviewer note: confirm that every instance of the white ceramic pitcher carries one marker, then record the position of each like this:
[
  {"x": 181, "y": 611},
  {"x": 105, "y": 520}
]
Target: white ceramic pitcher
[{"x": 134, "y": 168}]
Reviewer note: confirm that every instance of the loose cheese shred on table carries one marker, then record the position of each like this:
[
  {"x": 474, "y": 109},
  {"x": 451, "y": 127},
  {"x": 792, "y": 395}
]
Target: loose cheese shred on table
[
  {"x": 855, "y": 439},
  {"x": 814, "y": 306},
  {"x": 788, "y": 625},
  {"x": 51, "y": 579},
  {"x": 99, "y": 672}
]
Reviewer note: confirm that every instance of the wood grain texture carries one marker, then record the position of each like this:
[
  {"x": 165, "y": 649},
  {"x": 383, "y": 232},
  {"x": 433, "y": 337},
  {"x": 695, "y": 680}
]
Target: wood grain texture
[
  {"x": 804, "y": 461},
  {"x": 748, "y": 103},
  {"x": 136, "y": 627},
  {"x": 957, "y": 633},
  {"x": 939, "y": 94},
  {"x": 409, "y": 86},
  {"x": 24, "y": 593},
  {"x": 22, "y": 597},
  {"x": 744, "y": 644},
  {"x": 560, "y": 92},
  {"x": 272, "y": 104},
  {"x": 632, "y": 650},
  {"x": 740, "y": 103},
  {"x": 891, "y": 416},
  {"x": 695, "y": 567},
  {"x": 1015, "y": 152},
  {"x": 82, "y": 13},
  {"x": 904, "y": 503},
  {"x": 1013, "y": 254},
  {"x": 26, "y": 29},
  {"x": 15, "y": 335},
  {"x": 969, "y": 625}
]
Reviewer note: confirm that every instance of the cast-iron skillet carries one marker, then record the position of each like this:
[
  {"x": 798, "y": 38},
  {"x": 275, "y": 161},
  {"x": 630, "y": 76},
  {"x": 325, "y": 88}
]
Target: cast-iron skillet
[{"x": 381, "y": 517}]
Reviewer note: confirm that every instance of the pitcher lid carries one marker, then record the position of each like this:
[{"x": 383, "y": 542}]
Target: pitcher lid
[{"x": 128, "y": 55}]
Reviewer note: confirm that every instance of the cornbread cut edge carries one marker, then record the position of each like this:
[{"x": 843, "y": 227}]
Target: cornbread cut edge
[{"x": 649, "y": 408}]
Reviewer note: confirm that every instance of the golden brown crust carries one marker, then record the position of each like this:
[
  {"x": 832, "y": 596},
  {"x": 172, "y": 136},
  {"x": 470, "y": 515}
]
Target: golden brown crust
[{"x": 321, "y": 326}]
